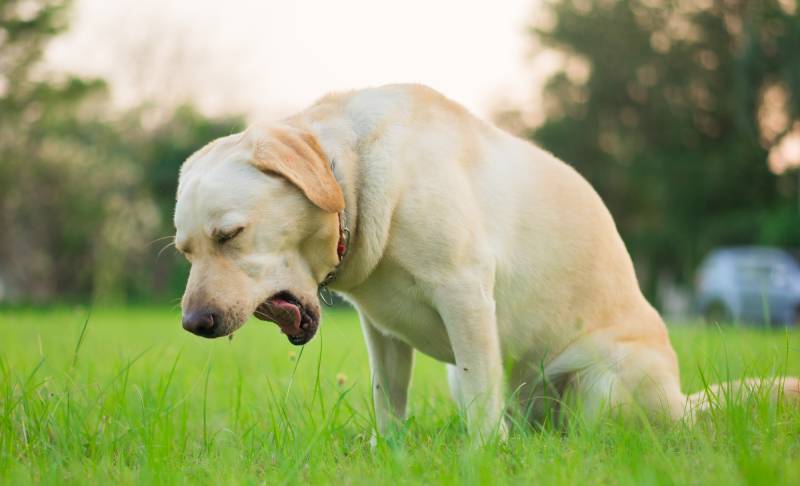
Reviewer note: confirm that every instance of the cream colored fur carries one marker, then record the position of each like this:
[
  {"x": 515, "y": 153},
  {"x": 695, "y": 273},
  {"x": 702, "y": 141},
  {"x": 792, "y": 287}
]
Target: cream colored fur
[{"x": 468, "y": 244}]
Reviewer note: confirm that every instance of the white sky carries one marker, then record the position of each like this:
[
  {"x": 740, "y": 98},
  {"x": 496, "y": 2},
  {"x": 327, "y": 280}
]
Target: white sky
[{"x": 270, "y": 58}]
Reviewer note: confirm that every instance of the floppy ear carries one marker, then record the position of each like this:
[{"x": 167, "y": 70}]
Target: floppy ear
[{"x": 296, "y": 155}]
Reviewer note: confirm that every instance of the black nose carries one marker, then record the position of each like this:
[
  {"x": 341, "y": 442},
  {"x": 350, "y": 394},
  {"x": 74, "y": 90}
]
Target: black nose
[{"x": 201, "y": 322}]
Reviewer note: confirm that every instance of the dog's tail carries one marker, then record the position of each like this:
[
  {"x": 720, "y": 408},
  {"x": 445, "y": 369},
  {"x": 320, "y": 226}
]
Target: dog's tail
[{"x": 783, "y": 390}]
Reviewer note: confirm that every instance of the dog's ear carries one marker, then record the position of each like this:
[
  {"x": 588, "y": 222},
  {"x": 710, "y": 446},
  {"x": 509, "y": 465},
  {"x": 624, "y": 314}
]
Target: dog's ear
[{"x": 297, "y": 156}]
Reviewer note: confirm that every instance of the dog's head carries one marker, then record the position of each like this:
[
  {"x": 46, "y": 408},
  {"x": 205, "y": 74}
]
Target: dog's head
[{"x": 256, "y": 215}]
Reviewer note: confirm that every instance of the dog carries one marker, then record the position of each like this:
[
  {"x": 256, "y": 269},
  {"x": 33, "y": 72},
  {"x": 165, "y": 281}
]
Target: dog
[{"x": 449, "y": 236}]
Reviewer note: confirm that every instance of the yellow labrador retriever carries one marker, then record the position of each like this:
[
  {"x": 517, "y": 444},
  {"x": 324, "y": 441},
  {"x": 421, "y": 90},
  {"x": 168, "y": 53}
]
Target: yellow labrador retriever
[{"x": 448, "y": 235}]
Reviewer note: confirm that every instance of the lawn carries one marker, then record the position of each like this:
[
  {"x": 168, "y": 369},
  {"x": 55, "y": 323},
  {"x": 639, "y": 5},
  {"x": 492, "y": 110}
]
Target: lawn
[{"x": 134, "y": 399}]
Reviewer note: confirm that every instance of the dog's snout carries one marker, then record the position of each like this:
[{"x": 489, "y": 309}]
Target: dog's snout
[{"x": 201, "y": 322}]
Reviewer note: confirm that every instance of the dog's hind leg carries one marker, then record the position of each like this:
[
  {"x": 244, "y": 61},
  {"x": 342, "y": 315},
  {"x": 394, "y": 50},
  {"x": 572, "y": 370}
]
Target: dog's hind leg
[
  {"x": 602, "y": 376},
  {"x": 628, "y": 379}
]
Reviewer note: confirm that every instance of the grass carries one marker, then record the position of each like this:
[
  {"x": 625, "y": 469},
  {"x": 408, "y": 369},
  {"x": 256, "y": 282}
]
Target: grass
[{"x": 128, "y": 397}]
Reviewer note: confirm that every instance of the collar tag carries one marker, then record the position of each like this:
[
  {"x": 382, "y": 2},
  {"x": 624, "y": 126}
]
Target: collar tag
[{"x": 325, "y": 294}]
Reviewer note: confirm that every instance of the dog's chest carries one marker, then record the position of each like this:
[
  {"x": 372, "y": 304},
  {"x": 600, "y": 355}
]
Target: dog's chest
[{"x": 399, "y": 306}]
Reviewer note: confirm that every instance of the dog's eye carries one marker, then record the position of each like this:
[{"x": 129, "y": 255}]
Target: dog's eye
[{"x": 223, "y": 238}]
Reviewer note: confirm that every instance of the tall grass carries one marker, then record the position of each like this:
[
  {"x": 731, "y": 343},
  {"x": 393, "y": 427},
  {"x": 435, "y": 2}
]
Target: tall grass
[{"x": 126, "y": 396}]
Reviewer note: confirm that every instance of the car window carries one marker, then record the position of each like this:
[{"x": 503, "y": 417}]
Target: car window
[
  {"x": 782, "y": 275},
  {"x": 754, "y": 273}
]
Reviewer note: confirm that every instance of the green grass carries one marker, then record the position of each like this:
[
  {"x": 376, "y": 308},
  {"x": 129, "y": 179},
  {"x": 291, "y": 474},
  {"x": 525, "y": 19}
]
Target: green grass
[{"x": 137, "y": 400}]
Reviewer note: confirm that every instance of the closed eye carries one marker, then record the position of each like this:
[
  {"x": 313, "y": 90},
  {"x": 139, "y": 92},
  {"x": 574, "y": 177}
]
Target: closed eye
[{"x": 223, "y": 238}]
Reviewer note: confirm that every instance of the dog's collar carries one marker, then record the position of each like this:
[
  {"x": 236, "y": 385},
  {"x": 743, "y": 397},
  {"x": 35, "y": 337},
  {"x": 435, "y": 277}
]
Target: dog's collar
[
  {"x": 341, "y": 251},
  {"x": 344, "y": 239}
]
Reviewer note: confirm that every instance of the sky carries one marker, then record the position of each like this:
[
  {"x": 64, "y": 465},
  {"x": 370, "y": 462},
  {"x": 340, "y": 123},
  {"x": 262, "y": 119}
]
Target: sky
[{"x": 271, "y": 58}]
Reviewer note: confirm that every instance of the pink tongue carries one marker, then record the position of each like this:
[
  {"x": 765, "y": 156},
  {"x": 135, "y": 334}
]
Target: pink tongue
[{"x": 285, "y": 314}]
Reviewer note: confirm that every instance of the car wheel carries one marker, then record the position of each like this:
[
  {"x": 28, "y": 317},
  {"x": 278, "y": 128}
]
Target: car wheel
[{"x": 716, "y": 312}]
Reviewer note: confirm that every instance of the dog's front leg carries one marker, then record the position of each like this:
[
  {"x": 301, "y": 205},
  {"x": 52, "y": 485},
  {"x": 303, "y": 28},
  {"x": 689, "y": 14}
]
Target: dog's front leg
[
  {"x": 391, "y": 362},
  {"x": 468, "y": 312}
]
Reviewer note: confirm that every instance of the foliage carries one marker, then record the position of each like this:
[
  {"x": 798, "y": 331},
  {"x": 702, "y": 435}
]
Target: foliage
[
  {"x": 661, "y": 105},
  {"x": 136, "y": 400},
  {"x": 84, "y": 190}
]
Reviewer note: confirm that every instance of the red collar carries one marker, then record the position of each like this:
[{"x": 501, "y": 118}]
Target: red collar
[{"x": 341, "y": 251}]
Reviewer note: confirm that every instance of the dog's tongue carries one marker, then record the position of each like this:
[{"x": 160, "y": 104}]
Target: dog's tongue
[{"x": 283, "y": 313}]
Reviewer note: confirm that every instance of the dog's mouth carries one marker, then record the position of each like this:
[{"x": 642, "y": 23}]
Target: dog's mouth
[{"x": 298, "y": 322}]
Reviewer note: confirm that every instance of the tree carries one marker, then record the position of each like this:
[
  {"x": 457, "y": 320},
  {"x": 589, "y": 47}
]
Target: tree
[
  {"x": 84, "y": 190},
  {"x": 662, "y": 106},
  {"x": 38, "y": 152}
]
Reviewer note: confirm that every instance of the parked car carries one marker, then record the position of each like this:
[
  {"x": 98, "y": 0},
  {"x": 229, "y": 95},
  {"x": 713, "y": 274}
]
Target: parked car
[{"x": 750, "y": 285}]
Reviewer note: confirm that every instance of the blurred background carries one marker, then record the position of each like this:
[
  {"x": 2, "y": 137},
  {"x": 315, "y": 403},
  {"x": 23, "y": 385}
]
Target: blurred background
[{"x": 683, "y": 114}]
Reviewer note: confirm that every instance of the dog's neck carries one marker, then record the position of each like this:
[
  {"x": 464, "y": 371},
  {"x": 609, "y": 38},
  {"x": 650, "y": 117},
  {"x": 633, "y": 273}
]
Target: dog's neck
[
  {"x": 368, "y": 204},
  {"x": 348, "y": 222},
  {"x": 342, "y": 246}
]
